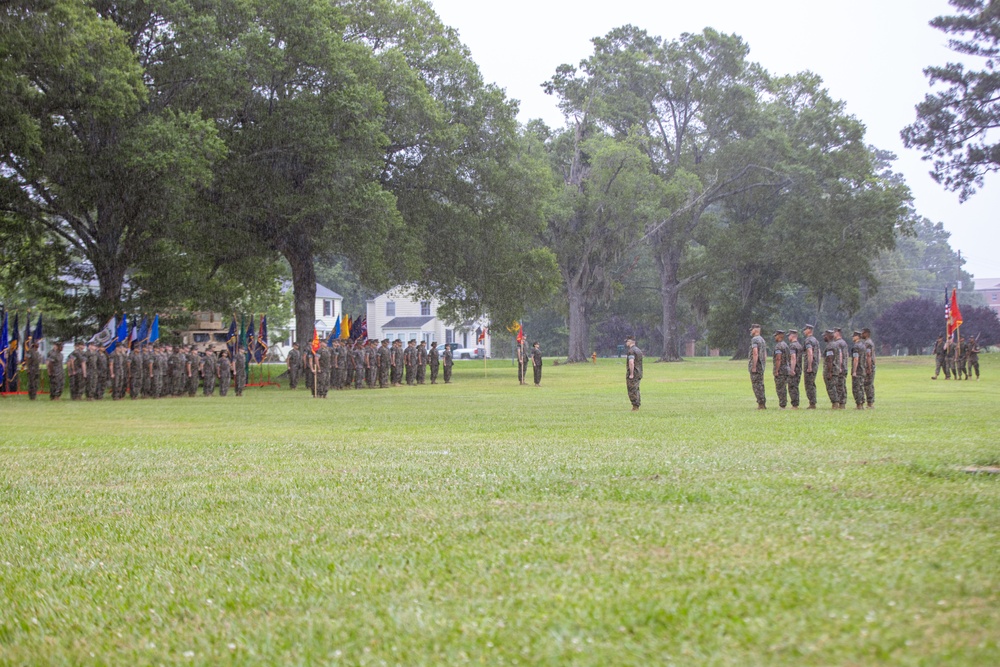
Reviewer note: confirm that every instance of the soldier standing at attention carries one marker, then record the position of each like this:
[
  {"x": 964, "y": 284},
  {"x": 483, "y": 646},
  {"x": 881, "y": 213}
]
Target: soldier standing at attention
[
  {"x": 116, "y": 372},
  {"x": 360, "y": 368},
  {"x": 382, "y": 358},
  {"x": 811, "y": 358},
  {"x": 33, "y": 364},
  {"x": 858, "y": 366},
  {"x": 240, "y": 369},
  {"x": 76, "y": 365},
  {"x": 54, "y": 362},
  {"x": 522, "y": 362},
  {"x": 193, "y": 370},
  {"x": 866, "y": 338},
  {"x": 293, "y": 360},
  {"x": 371, "y": 359},
  {"x": 940, "y": 362},
  {"x": 92, "y": 373},
  {"x": 633, "y": 372},
  {"x": 410, "y": 361},
  {"x": 780, "y": 366},
  {"x": 830, "y": 370},
  {"x": 224, "y": 372},
  {"x": 448, "y": 362},
  {"x": 421, "y": 362},
  {"x": 161, "y": 371},
  {"x": 758, "y": 362},
  {"x": 972, "y": 345},
  {"x": 103, "y": 373},
  {"x": 179, "y": 369},
  {"x": 133, "y": 373},
  {"x": 434, "y": 359},
  {"x": 794, "y": 367},
  {"x": 209, "y": 371},
  {"x": 536, "y": 362},
  {"x": 324, "y": 370},
  {"x": 845, "y": 355}
]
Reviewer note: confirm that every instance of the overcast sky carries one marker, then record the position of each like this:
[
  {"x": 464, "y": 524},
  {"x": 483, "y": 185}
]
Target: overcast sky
[{"x": 870, "y": 53}]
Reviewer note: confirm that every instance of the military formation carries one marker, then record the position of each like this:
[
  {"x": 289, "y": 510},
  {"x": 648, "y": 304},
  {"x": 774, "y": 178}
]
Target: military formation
[
  {"x": 798, "y": 362},
  {"x": 956, "y": 357},
  {"x": 367, "y": 365}
]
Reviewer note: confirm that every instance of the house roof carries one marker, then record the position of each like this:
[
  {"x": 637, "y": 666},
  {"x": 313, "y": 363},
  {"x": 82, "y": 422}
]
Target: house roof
[
  {"x": 987, "y": 283},
  {"x": 406, "y": 322},
  {"x": 326, "y": 293}
]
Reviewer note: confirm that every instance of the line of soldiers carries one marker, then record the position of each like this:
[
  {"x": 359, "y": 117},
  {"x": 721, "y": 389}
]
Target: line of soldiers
[
  {"x": 147, "y": 371},
  {"x": 367, "y": 365},
  {"x": 795, "y": 361},
  {"x": 957, "y": 358}
]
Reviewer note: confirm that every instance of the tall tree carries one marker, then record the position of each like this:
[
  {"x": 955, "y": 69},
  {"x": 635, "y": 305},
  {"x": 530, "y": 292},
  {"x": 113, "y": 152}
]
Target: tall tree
[{"x": 955, "y": 127}]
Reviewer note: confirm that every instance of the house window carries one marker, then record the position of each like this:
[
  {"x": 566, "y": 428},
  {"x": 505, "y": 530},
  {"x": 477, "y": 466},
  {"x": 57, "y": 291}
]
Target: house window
[
  {"x": 425, "y": 308},
  {"x": 390, "y": 309},
  {"x": 449, "y": 335},
  {"x": 327, "y": 308}
]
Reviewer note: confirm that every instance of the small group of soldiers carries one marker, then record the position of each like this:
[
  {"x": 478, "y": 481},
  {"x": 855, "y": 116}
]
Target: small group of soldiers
[
  {"x": 523, "y": 357},
  {"x": 796, "y": 360},
  {"x": 957, "y": 358},
  {"x": 147, "y": 371},
  {"x": 367, "y": 364}
]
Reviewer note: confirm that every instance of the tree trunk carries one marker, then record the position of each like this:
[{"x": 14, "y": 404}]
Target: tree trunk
[
  {"x": 298, "y": 252},
  {"x": 579, "y": 327},
  {"x": 668, "y": 262}
]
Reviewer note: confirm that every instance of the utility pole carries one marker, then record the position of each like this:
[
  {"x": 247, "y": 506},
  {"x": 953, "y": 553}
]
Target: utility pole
[{"x": 959, "y": 279}]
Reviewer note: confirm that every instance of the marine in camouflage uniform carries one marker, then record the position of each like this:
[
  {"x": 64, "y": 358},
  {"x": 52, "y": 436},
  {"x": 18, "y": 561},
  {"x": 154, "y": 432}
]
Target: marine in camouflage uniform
[
  {"x": 160, "y": 371},
  {"x": 959, "y": 356},
  {"x": 194, "y": 371},
  {"x": 794, "y": 367},
  {"x": 57, "y": 378},
  {"x": 522, "y": 362},
  {"x": 536, "y": 363},
  {"x": 940, "y": 359},
  {"x": 76, "y": 366},
  {"x": 33, "y": 364},
  {"x": 93, "y": 374},
  {"x": 116, "y": 371},
  {"x": 757, "y": 364},
  {"x": 421, "y": 363},
  {"x": 360, "y": 369},
  {"x": 812, "y": 359},
  {"x": 845, "y": 355},
  {"x": 434, "y": 360},
  {"x": 633, "y": 372},
  {"x": 240, "y": 370},
  {"x": 972, "y": 345},
  {"x": 866, "y": 338},
  {"x": 293, "y": 361},
  {"x": 780, "y": 367},
  {"x": 209, "y": 371},
  {"x": 147, "y": 371},
  {"x": 324, "y": 370},
  {"x": 133, "y": 370},
  {"x": 410, "y": 361},
  {"x": 224, "y": 372},
  {"x": 382, "y": 356},
  {"x": 448, "y": 362},
  {"x": 858, "y": 354},
  {"x": 396, "y": 362},
  {"x": 338, "y": 365},
  {"x": 371, "y": 359},
  {"x": 179, "y": 368},
  {"x": 831, "y": 369},
  {"x": 104, "y": 372}
]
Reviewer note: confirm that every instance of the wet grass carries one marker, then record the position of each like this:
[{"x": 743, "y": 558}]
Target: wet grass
[{"x": 484, "y": 522}]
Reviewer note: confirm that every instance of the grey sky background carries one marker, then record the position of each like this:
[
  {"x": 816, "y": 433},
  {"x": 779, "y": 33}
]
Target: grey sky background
[{"x": 871, "y": 54}]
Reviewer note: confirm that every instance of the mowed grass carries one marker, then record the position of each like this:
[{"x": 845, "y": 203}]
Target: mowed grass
[{"x": 485, "y": 522}]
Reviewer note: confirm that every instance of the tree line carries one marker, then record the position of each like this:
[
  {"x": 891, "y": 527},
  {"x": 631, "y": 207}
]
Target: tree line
[{"x": 189, "y": 154}]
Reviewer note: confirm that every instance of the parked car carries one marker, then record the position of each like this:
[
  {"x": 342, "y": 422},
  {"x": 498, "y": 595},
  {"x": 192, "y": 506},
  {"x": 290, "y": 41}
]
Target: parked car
[{"x": 469, "y": 352}]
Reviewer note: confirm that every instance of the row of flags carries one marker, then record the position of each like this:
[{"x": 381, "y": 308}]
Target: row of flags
[
  {"x": 116, "y": 332},
  {"x": 242, "y": 337},
  {"x": 10, "y": 340},
  {"x": 349, "y": 329}
]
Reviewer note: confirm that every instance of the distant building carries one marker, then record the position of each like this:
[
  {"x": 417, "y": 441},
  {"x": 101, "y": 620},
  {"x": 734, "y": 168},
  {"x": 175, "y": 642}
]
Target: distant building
[
  {"x": 329, "y": 306},
  {"x": 989, "y": 288},
  {"x": 397, "y": 314}
]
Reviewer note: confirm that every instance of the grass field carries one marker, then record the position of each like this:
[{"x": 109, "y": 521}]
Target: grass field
[{"x": 484, "y": 522}]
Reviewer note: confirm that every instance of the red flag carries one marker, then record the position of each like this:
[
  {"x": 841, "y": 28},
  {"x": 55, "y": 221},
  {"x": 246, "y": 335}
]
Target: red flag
[
  {"x": 954, "y": 314},
  {"x": 315, "y": 342},
  {"x": 520, "y": 334}
]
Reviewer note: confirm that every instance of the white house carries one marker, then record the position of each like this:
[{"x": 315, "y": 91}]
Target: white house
[
  {"x": 329, "y": 306},
  {"x": 399, "y": 314}
]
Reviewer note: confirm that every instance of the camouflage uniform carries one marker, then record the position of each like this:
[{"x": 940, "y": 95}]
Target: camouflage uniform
[
  {"x": 93, "y": 374},
  {"x": 194, "y": 359},
  {"x": 845, "y": 355},
  {"x": 396, "y": 362},
  {"x": 116, "y": 369},
  {"x": 225, "y": 371},
  {"x": 794, "y": 368},
  {"x": 940, "y": 359},
  {"x": 858, "y": 353},
  {"x": 160, "y": 368},
  {"x": 973, "y": 347},
  {"x": 633, "y": 354},
  {"x": 240, "y": 371},
  {"x": 421, "y": 363},
  {"x": 56, "y": 376},
  {"x": 383, "y": 356},
  {"x": 811, "y": 348},
  {"x": 133, "y": 365},
  {"x": 360, "y": 371},
  {"x": 434, "y": 359},
  {"x": 869, "y": 367},
  {"x": 293, "y": 362},
  {"x": 371, "y": 359},
  {"x": 178, "y": 368},
  {"x": 209, "y": 367},
  {"x": 757, "y": 373},
  {"x": 410, "y": 361},
  {"x": 324, "y": 364},
  {"x": 448, "y": 363},
  {"x": 780, "y": 368},
  {"x": 33, "y": 364},
  {"x": 536, "y": 364},
  {"x": 103, "y": 373},
  {"x": 831, "y": 368},
  {"x": 522, "y": 362},
  {"x": 338, "y": 365},
  {"x": 77, "y": 367}
]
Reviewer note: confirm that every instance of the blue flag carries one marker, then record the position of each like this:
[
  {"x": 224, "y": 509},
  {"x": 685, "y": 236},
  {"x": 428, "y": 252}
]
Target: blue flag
[
  {"x": 154, "y": 331},
  {"x": 38, "y": 335},
  {"x": 231, "y": 337},
  {"x": 4, "y": 344},
  {"x": 261, "y": 352},
  {"x": 143, "y": 334},
  {"x": 123, "y": 330}
]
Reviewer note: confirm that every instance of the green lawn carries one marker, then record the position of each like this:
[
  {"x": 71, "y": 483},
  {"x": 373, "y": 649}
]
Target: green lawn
[{"x": 484, "y": 522}]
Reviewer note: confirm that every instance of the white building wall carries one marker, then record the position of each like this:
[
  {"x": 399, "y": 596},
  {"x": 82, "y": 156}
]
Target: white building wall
[{"x": 409, "y": 306}]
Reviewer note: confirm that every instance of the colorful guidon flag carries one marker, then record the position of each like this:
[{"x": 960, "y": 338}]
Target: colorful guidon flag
[{"x": 953, "y": 314}]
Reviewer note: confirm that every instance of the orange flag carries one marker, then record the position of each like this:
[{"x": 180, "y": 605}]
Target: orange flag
[
  {"x": 954, "y": 314},
  {"x": 315, "y": 343}
]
